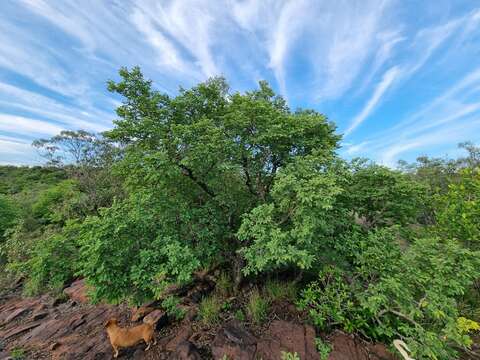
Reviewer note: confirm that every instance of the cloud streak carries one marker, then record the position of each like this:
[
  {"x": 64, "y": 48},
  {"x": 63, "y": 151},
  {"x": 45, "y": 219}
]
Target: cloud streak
[{"x": 387, "y": 81}]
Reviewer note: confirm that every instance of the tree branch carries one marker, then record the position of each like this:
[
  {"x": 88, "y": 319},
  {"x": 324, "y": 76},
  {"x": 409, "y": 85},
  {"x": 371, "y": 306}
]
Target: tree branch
[
  {"x": 247, "y": 174},
  {"x": 188, "y": 172},
  {"x": 399, "y": 314}
]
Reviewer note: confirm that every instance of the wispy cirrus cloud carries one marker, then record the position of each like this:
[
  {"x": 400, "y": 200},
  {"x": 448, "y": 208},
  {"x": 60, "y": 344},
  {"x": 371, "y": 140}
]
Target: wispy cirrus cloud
[
  {"x": 451, "y": 117},
  {"x": 346, "y": 57},
  {"x": 423, "y": 47},
  {"x": 386, "y": 82},
  {"x": 20, "y": 125}
]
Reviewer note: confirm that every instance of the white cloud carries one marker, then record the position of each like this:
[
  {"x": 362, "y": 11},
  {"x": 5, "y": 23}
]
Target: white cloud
[
  {"x": 387, "y": 80},
  {"x": 25, "y": 126},
  {"x": 13, "y": 97},
  {"x": 449, "y": 118}
]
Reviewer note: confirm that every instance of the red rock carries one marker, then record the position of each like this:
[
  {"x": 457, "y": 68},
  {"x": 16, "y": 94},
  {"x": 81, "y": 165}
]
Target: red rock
[
  {"x": 77, "y": 291},
  {"x": 18, "y": 330},
  {"x": 183, "y": 334},
  {"x": 139, "y": 313},
  {"x": 234, "y": 342},
  {"x": 346, "y": 347},
  {"x": 37, "y": 315},
  {"x": 16, "y": 313},
  {"x": 289, "y": 337},
  {"x": 379, "y": 352},
  {"x": 186, "y": 351},
  {"x": 156, "y": 317}
]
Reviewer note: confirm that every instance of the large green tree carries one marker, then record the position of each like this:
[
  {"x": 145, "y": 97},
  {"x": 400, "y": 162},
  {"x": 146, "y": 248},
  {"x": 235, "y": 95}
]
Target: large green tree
[{"x": 208, "y": 157}]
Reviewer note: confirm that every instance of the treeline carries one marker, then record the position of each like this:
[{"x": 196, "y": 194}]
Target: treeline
[{"x": 238, "y": 181}]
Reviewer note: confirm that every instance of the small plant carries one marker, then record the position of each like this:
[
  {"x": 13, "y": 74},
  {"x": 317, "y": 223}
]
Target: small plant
[
  {"x": 323, "y": 348},
  {"x": 209, "y": 310},
  {"x": 226, "y": 306},
  {"x": 277, "y": 290},
  {"x": 257, "y": 307},
  {"x": 171, "y": 306},
  {"x": 17, "y": 353},
  {"x": 239, "y": 315},
  {"x": 290, "y": 356},
  {"x": 224, "y": 285}
]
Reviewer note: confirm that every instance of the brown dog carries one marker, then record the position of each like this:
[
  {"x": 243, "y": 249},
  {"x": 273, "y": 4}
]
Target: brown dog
[{"x": 126, "y": 337}]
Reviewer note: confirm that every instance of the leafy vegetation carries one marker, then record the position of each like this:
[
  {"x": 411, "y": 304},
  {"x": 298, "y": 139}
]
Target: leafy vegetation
[
  {"x": 215, "y": 179},
  {"x": 323, "y": 348},
  {"x": 171, "y": 305}
]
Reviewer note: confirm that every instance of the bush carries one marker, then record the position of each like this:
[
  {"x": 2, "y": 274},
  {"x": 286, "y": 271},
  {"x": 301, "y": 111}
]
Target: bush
[
  {"x": 59, "y": 203},
  {"x": 415, "y": 300},
  {"x": 257, "y": 307},
  {"x": 324, "y": 349},
  {"x": 171, "y": 305},
  {"x": 8, "y": 214},
  {"x": 458, "y": 210},
  {"x": 52, "y": 263},
  {"x": 137, "y": 250}
]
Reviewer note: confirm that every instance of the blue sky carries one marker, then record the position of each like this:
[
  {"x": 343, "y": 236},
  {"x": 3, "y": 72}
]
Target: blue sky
[{"x": 400, "y": 78}]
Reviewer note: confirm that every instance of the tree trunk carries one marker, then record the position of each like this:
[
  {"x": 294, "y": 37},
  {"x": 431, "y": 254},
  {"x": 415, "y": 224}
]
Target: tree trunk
[{"x": 238, "y": 264}]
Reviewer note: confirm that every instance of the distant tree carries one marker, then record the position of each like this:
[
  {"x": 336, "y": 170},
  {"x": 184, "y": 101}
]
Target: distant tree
[{"x": 88, "y": 158}]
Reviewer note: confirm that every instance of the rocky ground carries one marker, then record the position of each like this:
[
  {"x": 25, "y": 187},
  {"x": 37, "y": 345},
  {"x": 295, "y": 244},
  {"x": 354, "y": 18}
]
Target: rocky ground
[{"x": 70, "y": 328}]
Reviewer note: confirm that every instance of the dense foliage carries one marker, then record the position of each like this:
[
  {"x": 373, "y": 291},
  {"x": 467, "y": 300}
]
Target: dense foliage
[{"x": 238, "y": 181}]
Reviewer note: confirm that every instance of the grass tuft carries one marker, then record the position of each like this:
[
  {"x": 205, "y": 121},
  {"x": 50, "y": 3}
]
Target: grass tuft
[
  {"x": 277, "y": 290},
  {"x": 257, "y": 307},
  {"x": 224, "y": 285},
  {"x": 209, "y": 310}
]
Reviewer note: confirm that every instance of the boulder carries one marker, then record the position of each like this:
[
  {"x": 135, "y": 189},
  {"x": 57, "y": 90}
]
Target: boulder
[
  {"x": 349, "y": 347},
  {"x": 288, "y": 337},
  {"x": 234, "y": 342},
  {"x": 140, "y": 312},
  {"x": 182, "y": 334},
  {"x": 157, "y": 317},
  {"x": 185, "y": 351},
  {"x": 77, "y": 292}
]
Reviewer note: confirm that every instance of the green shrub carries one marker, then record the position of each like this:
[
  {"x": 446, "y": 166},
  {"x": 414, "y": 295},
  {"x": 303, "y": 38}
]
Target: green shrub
[
  {"x": 324, "y": 349},
  {"x": 59, "y": 203},
  {"x": 8, "y": 215},
  {"x": 239, "y": 315},
  {"x": 281, "y": 290},
  {"x": 17, "y": 353},
  {"x": 289, "y": 356},
  {"x": 209, "y": 310},
  {"x": 45, "y": 259},
  {"x": 171, "y": 305},
  {"x": 138, "y": 250},
  {"x": 257, "y": 307},
  {"x": 415, "y": 300},
  {"x": 458, "y": 210}
]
